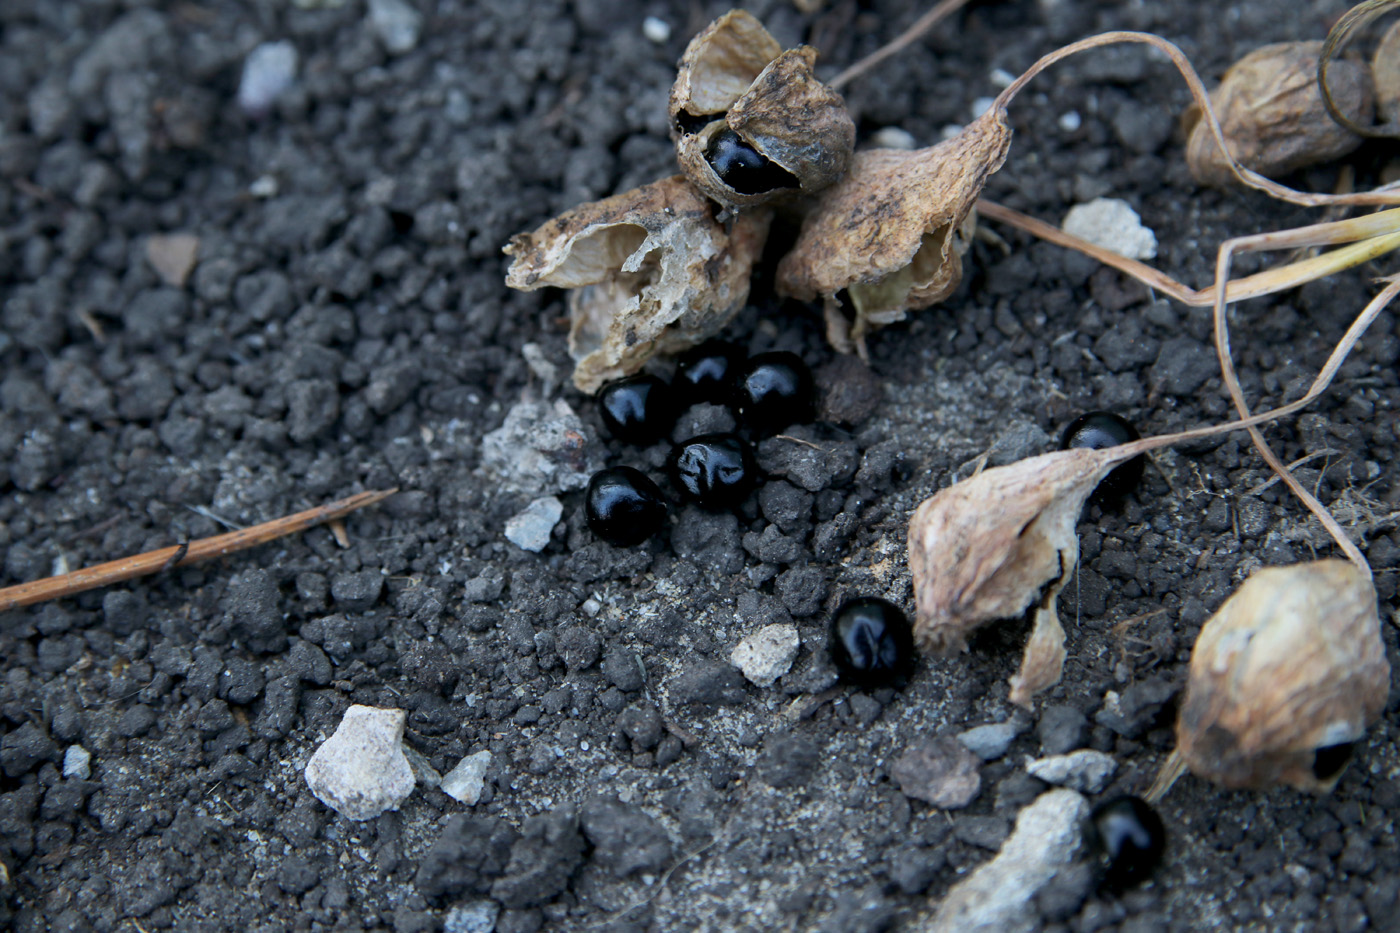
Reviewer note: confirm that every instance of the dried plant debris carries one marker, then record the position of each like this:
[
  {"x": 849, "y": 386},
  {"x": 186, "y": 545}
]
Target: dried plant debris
[
  {"x": 652, "y": 270},
  {"x": 891, "y": 234},
  {"x": 751, "y": 122},
  {"x": 1285, "y": 677},
  {"x": 1273, "y": 115},
  {"x": 997, "y": 545}
]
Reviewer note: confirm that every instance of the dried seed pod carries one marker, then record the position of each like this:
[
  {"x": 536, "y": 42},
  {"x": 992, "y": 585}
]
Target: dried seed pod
[
  {"x": 1273, "y": 117},
  {"x": 1385, "y": 70},
  {"x": 653, "y": 271},
  {"x": 891, "y": 233},
  {"x": 997, "y": 544},
  {"x": 1284, "y": 678},
  {"x": 737, "y": 90}
]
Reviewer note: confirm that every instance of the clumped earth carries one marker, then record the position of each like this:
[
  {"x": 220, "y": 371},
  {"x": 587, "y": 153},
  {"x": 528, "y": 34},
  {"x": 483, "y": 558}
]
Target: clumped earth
[{"x": 346, "y": 327}]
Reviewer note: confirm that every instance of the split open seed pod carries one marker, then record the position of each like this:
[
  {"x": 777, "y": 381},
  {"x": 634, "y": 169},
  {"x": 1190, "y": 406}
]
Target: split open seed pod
[
  {"x": 652, "y": 270},
  {"x": 999, "y": 544},
  {"x": 1285, "y": 677},
  {"x": 1385, "y": 70},
  {"x": 1273, "y": 116},
  {"x": 758, "y": 113},
  {"x": 891, "y": 234}
]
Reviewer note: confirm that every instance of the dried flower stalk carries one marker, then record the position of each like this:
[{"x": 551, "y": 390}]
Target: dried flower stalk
[
  {"x": 652, "y": 270},
  {"x": 1284, "y": 677}
]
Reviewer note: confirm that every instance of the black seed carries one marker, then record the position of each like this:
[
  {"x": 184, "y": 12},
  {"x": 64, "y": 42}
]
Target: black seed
[
  {"x": 717, "y": 471},
  {"x": 1329, "y": 760},
  {"x": 872, "y": 644},
  {"x": 743, "y": 168},
  {"x": 637, "y": 409},
  {"x": 623, "y": 506},
  {"x": 1129, "y": 838},
  {"x": 703, "y": 373},
  {"x": 1096, "y": 430},
  {"x": 774, "y": 390}
]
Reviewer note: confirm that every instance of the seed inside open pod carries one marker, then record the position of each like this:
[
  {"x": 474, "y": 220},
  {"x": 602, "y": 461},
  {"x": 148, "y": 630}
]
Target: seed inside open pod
[
  {"x": 1273, "y": 117},
  {"x": 891, "y": 234},
  {"x": 997, "y": 545},
  {"x": 751, "y": 122},
  {"x": 1285, "y": 677},
  {"x": 652, "y": 271}
]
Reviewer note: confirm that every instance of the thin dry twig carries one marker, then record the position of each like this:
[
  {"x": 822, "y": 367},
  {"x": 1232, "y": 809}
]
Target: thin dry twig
[
  {"x": 905, "y": 39},
  {"x": 140, "y": 565}
]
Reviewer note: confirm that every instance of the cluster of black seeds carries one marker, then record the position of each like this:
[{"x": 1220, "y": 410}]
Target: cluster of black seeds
[{"x": 767, "y": 392}]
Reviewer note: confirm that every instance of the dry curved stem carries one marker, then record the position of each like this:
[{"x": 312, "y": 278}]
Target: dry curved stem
[
  {"x": 1338, "y": 38},
  {"x": 905, "y": 39},
  {"x": 181, "y": 555},
  {"x": 1383, "y": 195}
]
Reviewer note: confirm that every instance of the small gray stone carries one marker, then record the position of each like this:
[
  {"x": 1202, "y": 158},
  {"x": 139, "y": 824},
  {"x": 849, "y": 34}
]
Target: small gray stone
[
  {"x": 476, "y": 917},
  {"x": 531, "y": 527},
  {"x": 465, "y": 782},
  {"x": 360, "y": 771},
  {"x": 77, "y": 763},
  {"x": 1020, "y": 439},
  {"x": 999, "y": 897},
  {"x": 991, "y": 741},
  {"x": 397, "y": 25},
  {"x": 1086, "y": 770},
  {"x": 940, "y": 771},
  {"x": 541, "y": 448},
  {"x": 1061, "y": 729},
  {"x": 767, "y": 654},
  {"x": 268, "y": 72}
]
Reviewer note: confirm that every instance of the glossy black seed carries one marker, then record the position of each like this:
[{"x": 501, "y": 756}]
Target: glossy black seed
[
  {"x": 872, "y": 644},
  {"x": 623, "y": 506},
  {"x": 1329, "y": 760},
  {"x": 1096, "y": 430},
  {"x": 774, "y": 390},
  {"x": 743, "y": 168},
  {"x": 703, "y": 373},
  {"x": 1129, "y": 837},
  {"x": 637, "y": 409},
  {"x": 716, "y": 471}
]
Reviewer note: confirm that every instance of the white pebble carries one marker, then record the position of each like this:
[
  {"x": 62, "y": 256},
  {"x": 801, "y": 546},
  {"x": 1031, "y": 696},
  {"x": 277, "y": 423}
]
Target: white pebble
[
  {"x": 767, "y": 654},
  {"x": 476, "y": 917},
  {"x": 464, "y": 782},
  {"x": 531, "y": 527},
  {"x": 991, "y": 741},
  {"x": 77, "y": 763},
  {"x": 1070, "y": 121},
  {"x": 268, "y": 72},
  {"x": 1086, "y": 770},
  {"x": 894, "y": 137},
  {"x": 981, "y": 105},
  {"x": 397, "y": 25},
  {"x": 264, "y": 186},
  {"x": 360, "y": 771},
  {"x": 1002, "y": 78},
  {"x": 1112, "y": 224},
  {"x": 656, "y": 29}
]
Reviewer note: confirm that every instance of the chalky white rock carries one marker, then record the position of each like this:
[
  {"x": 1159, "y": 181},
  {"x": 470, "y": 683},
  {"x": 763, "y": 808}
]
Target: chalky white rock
[{"x": 361, "y": 771}]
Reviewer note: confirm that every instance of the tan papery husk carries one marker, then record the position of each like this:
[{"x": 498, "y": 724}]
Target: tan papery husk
[
  {"x": 891, "y": 233},
  {"x": 1273, "y": 117},
  {"x": 1385, "y": 71},
  {"x": 653, "y": 271},
  {"x": 779, "y": 108},
  {"x": 998, "y": 544},
  {"x": 1292, "y": 662}
]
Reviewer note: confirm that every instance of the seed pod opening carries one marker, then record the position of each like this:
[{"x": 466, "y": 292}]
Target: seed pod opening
[
  {"x": 652, "y": 271},
  {"x": 1285, "y": 677},
  {"x": 751, "y": 122},
  {"x": 891, "y": 234},
  {"x": 1273, "y": 117},
  {"x": 997, "y": 545}
]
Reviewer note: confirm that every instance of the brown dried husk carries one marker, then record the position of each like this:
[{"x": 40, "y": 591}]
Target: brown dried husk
[
  {"x": 997, "y": 544},
  {"x": 1273, "y": 116},
  {"x": 1292, "y": 662},
  {"x": 1385, "y": 71},
  {"x": 652, "y": 270},
  {"x": 736, "y": 73},
  {"x": 891, "y": 233}
]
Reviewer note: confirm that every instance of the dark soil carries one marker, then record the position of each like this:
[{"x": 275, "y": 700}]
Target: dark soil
[{"x": 347, "y": 328}]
